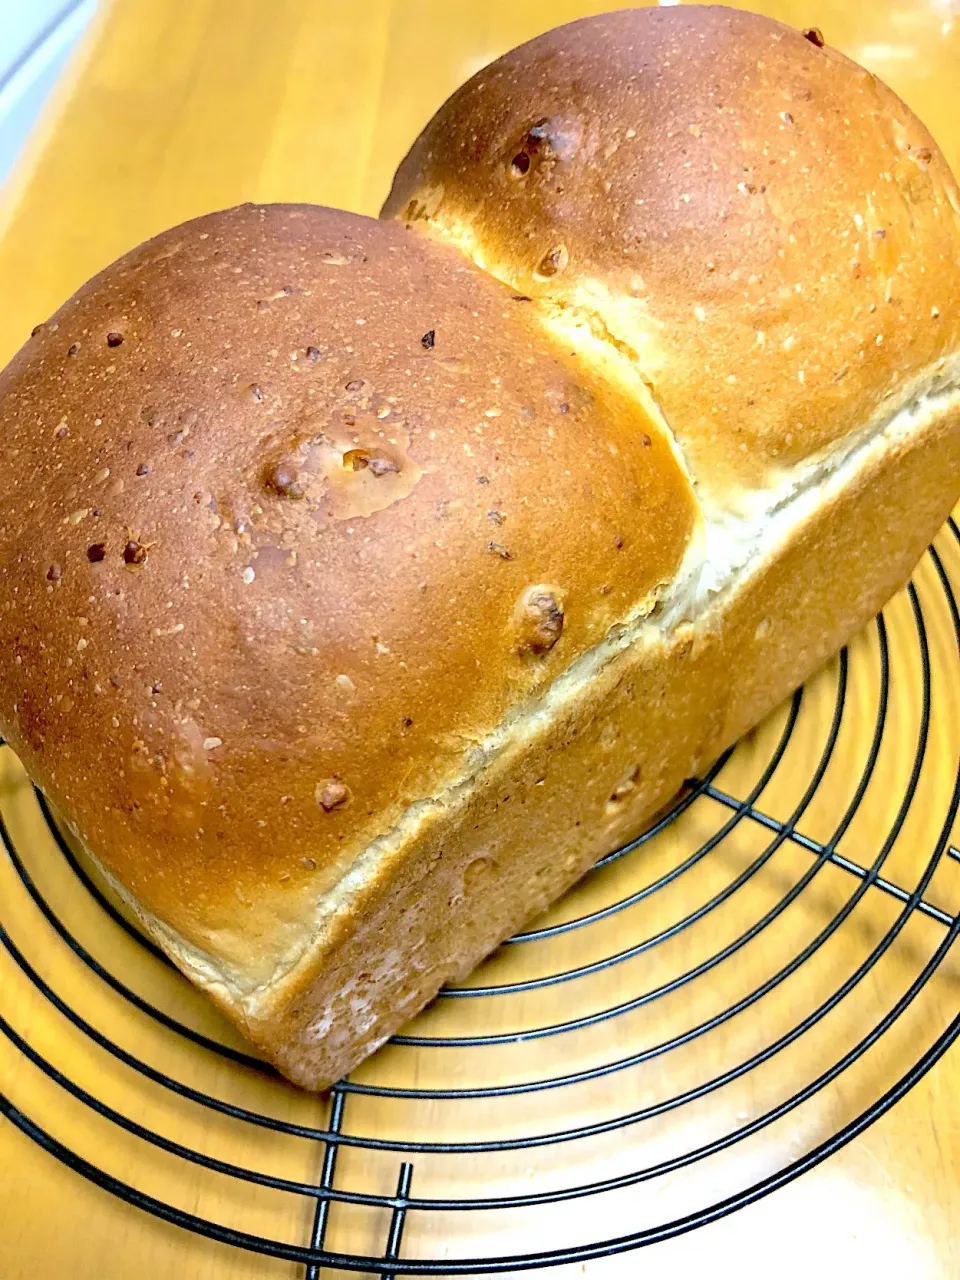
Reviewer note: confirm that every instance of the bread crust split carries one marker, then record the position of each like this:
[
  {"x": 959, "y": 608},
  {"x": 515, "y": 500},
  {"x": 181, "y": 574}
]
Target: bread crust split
[{"x": 363, "y": 582}]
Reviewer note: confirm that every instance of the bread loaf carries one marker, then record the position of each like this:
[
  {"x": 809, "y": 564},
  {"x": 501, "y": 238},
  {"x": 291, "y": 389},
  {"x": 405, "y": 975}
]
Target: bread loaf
[{"x": 362, "y": 582}]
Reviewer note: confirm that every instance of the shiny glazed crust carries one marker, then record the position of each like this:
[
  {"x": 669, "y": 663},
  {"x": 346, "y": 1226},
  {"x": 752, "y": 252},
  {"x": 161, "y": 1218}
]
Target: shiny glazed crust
[
  {"x": 760, "y": 224},
  {"x": 228, "y": 643},
  {"x": 336, "y": 560}
]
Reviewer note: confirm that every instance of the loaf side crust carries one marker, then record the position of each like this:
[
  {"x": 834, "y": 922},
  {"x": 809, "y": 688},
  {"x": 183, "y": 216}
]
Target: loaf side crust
[
  {"x": 610, "y": 743},
  {"x": 662, "y": 711}
]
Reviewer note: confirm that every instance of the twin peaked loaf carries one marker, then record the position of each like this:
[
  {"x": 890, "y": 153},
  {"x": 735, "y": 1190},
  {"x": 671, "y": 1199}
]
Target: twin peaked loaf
[{"x": 362, "y": 582}]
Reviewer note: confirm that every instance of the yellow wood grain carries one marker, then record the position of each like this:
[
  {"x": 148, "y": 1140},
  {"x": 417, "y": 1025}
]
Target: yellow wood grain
[{"x": 176, "y": 108}]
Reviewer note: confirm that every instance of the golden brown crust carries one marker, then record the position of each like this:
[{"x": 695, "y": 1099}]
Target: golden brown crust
[
  {"x": 331, "y": 568},
  {"x": 759, "y": 222},
  {"x": 274, "y": 488}
]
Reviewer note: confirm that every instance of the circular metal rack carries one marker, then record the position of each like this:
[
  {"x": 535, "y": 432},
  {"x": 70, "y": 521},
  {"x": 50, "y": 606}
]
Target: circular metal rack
[{"x": 720, "y": 1006}]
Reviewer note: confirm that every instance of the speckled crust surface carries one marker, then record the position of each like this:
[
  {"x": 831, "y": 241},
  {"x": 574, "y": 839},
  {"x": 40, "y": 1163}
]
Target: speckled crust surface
[
  {"x": 760, "y": 224},
  {"x": 276, "y": 488},
  {"x": 354, "y": 600}
]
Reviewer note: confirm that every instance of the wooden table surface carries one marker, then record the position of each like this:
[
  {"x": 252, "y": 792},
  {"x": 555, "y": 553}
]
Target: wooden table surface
[{"x": 177, "y": 107}]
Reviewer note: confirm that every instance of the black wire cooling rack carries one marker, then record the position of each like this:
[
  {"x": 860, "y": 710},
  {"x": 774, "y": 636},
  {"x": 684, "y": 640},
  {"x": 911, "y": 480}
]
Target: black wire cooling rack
[{"x": 745, "y": 988}]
